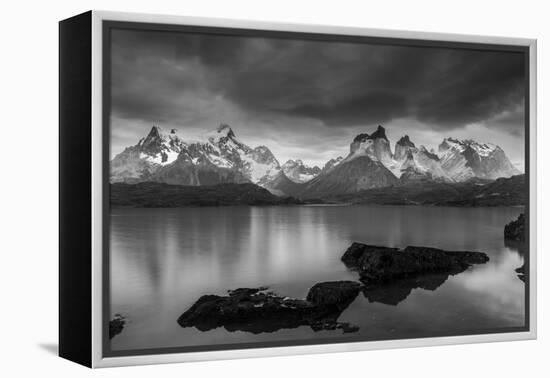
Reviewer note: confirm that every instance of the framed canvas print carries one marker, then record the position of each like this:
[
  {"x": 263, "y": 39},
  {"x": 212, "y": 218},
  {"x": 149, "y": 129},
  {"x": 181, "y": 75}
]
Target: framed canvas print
[{"x": 234, "y": 189}]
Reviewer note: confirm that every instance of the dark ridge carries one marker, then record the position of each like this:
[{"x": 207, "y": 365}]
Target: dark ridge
[
  {"x": 475, "y": 193},
  {"x": 405, "y": 141},
  {"x": 153, "y": 194}
]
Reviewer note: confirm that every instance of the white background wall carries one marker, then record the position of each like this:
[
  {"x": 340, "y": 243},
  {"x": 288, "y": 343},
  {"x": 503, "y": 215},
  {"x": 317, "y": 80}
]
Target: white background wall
[{"x": 28, "y": 145}]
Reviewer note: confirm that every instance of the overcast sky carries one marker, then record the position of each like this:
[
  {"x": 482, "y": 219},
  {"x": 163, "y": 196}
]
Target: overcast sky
[{"x": 308, "y": 99}]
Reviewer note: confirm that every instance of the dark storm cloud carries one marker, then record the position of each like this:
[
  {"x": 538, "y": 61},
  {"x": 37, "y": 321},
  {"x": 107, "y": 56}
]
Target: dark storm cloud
[
  {"x": 166, "y": 77},
  {"x": 373, "y": 107},
  {"x": 475, "y": 87}
]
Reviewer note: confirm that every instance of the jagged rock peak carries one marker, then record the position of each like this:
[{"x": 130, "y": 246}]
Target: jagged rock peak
[
  {"x": 380, "y": 133},
  {"x": 157, "y": 135},
  {"x": 224, "y": 128},
  {"x": 405, "y": 141},
  {"x": 154, "y": 137},
  {"x": 156, "y": 131}
]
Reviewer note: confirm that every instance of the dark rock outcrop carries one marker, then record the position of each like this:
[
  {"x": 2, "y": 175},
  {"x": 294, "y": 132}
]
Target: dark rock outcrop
[
  {"x": 116, "y": 325},
  {"x": 377, "y": 264},
  {"x": 521, "y": 272},
  {"x": 257, "y": 310},
  {"x": 515, "y": 230}
]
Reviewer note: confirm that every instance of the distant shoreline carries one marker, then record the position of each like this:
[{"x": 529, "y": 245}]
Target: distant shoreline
[{"x": 506, "y": 192}]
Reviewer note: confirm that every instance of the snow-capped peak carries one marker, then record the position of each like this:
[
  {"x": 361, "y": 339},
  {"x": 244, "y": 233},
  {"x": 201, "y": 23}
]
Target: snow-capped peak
[
  {"x": 464, "y": 159},
  {"x": 483, "y": 149},
  {"x": 164, "y": 155},
  {"x": 222, "y": 133},
  {"x": 160, "y": 148},
  {"x": 157, "y": 134},
  {"x": 297, "y": 171}
]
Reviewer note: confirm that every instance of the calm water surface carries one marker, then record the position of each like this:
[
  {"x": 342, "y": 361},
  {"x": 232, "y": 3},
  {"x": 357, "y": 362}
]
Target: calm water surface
[{"x": 163, "y": 260}]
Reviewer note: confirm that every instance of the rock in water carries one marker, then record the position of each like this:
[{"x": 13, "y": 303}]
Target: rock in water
[
  {"x": 515, "y": 230},
  {"x": 377, "y": 264},
  {"x": 257, "y": 310},
  {"x": 116, "y": 325},
  {"x": 521, "y": 272},
  {"x": 337, "y": 293}
]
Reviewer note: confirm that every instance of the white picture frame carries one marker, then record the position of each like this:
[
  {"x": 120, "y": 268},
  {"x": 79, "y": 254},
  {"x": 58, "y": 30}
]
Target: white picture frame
[{"x": 97, "y": 238}]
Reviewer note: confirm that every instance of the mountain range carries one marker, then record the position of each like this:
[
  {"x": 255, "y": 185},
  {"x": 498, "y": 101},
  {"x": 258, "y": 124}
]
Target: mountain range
[{"x": 219, "y": 157}]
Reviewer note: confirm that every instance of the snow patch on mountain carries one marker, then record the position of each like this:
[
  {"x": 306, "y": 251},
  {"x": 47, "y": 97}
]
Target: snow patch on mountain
[
  {"x": 159, "y": 147},
  {"x": 298, "y": 172},
  {"x": 466, "y": 159}
]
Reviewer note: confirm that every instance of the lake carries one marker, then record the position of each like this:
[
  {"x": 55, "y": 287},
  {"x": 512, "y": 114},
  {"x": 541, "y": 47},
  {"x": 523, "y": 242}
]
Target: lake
[{"x": 163, "y": 260}]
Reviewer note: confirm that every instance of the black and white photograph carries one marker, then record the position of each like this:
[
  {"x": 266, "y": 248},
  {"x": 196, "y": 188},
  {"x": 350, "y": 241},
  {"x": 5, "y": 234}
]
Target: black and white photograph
[
  {"x": 272, "y": 189},
  {"x": 255, "y": 189}
]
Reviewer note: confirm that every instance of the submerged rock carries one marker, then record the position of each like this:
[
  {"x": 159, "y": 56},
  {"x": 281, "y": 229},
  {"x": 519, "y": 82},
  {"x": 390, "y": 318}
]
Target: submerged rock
[
  {"x": 116, "y": 325},
  {"x": 257, "y": 310},
  {"x": 377, "y": 264},
  {"x": 515, "y": 230}
]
